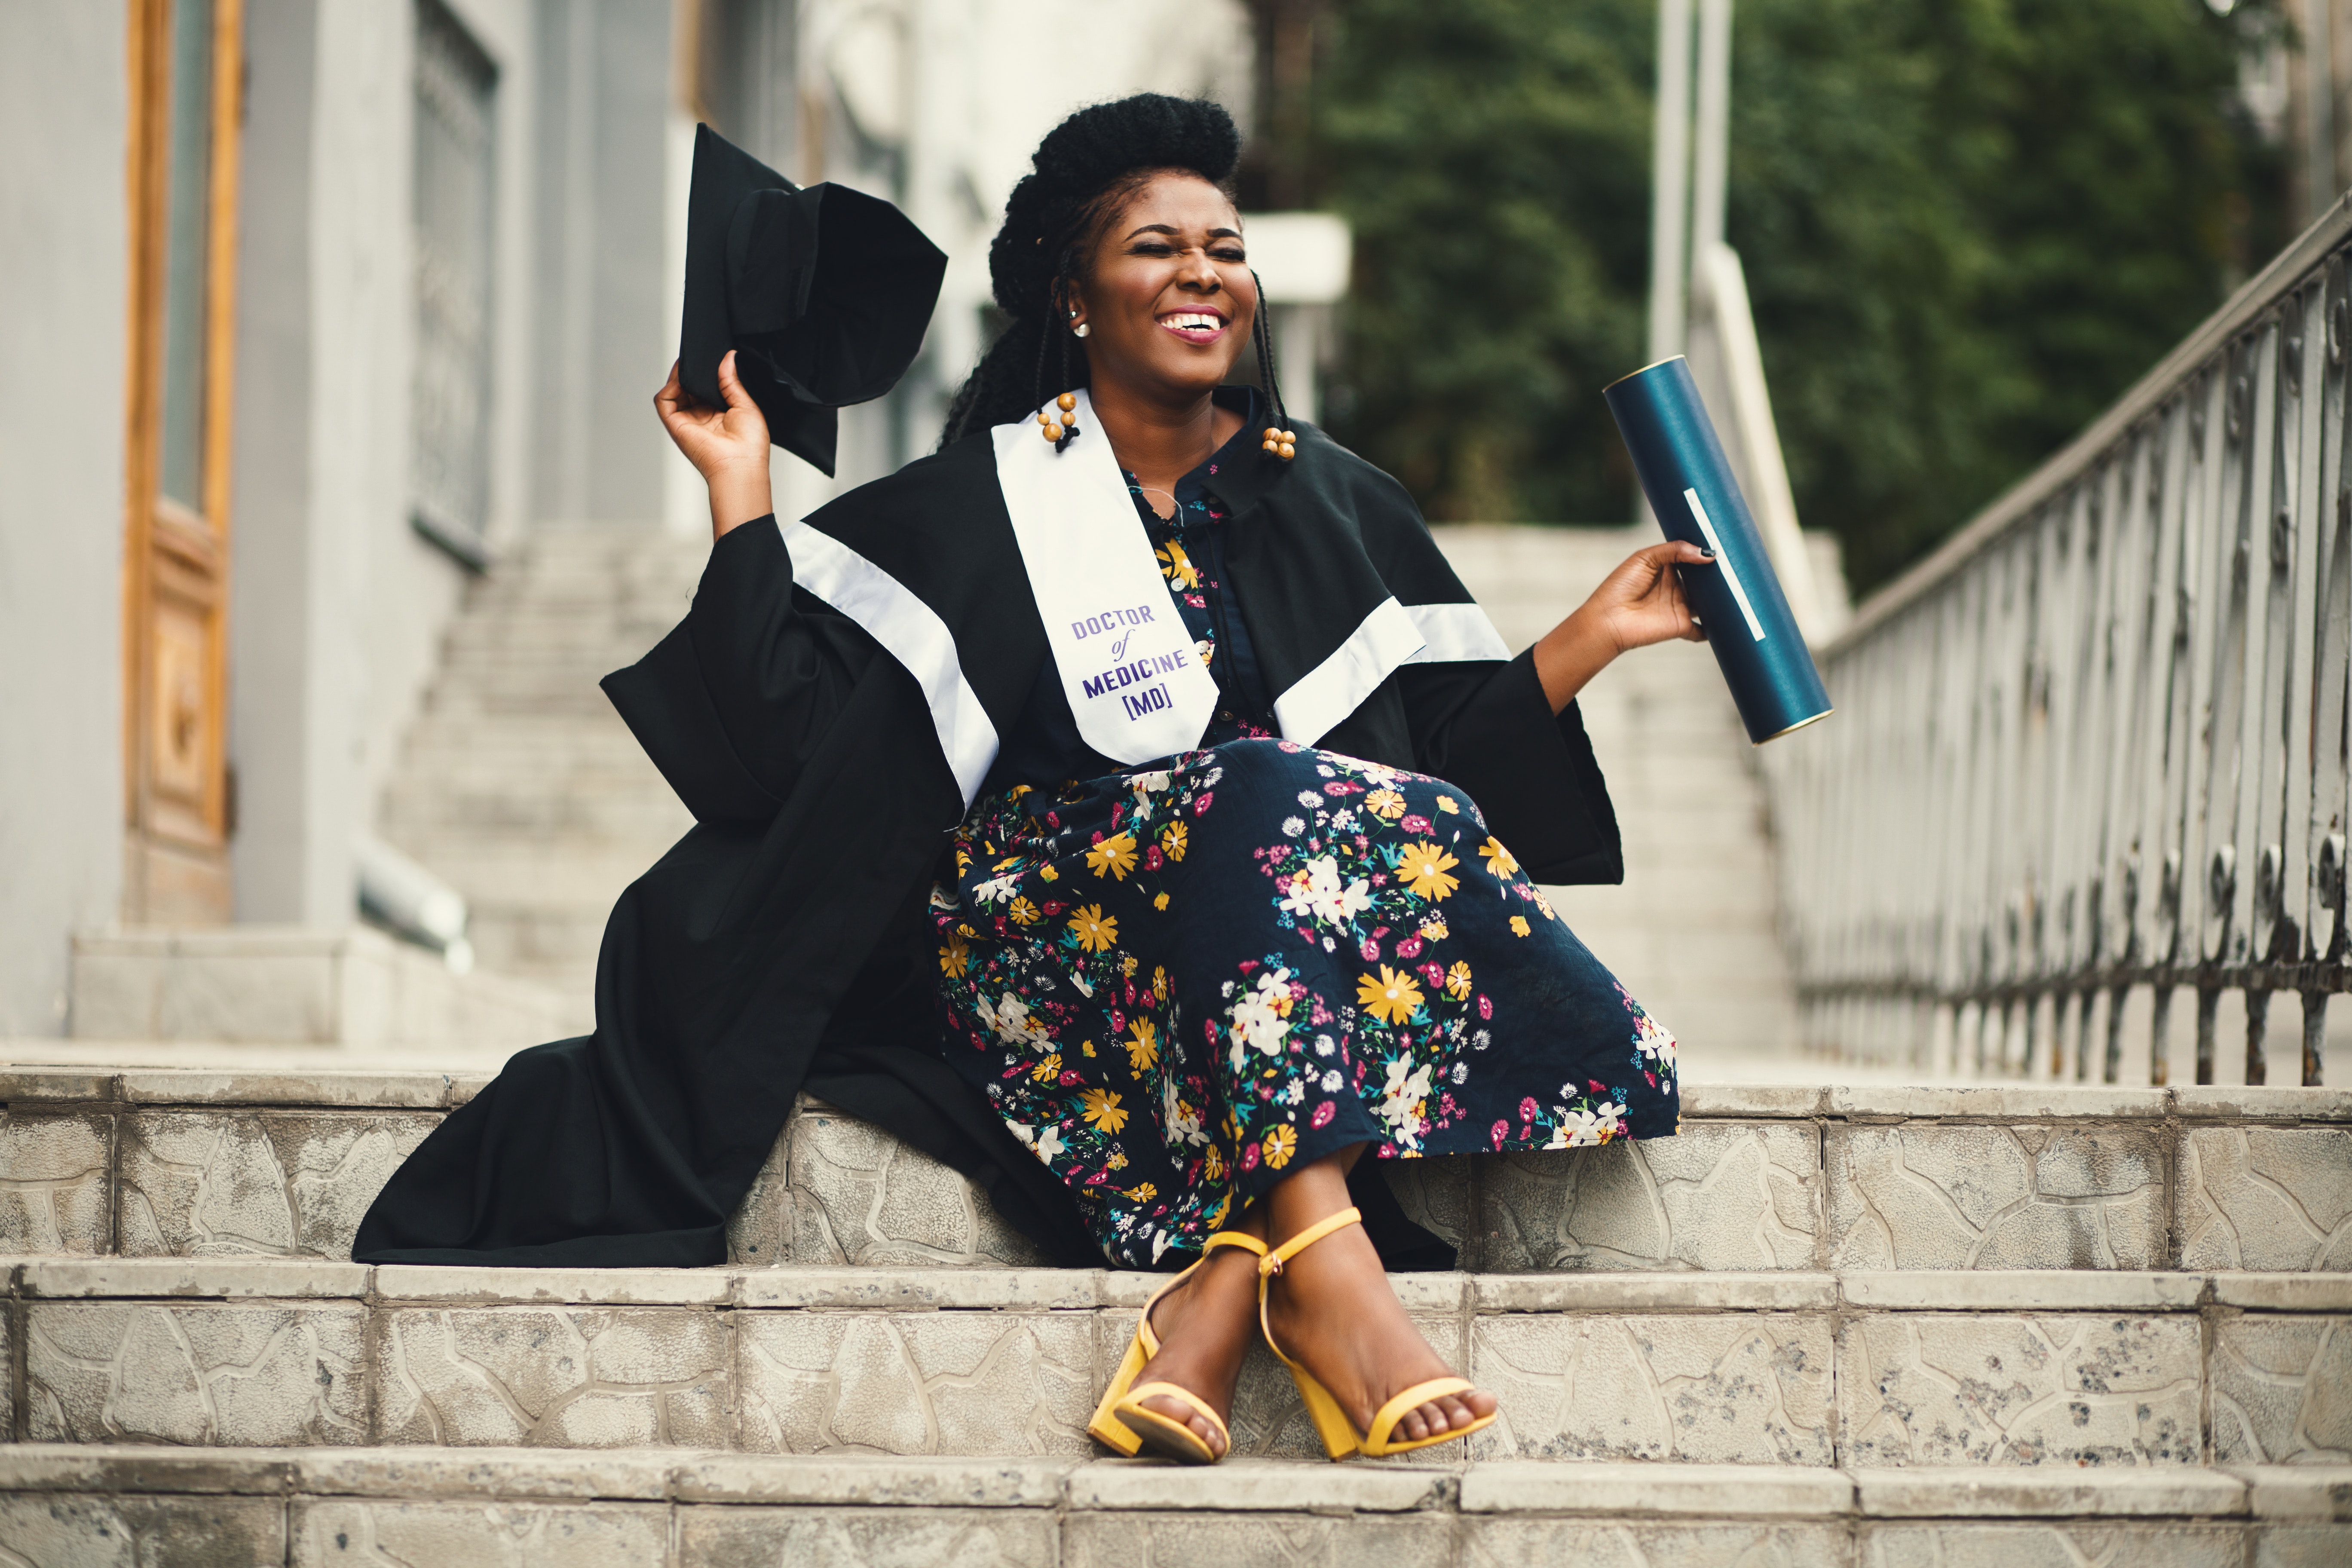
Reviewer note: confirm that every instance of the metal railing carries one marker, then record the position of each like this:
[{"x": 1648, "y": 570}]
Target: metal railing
[{"x": 2084, "y": 803}]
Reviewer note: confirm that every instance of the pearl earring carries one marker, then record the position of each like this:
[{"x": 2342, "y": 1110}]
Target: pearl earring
[
  {"x": 1053, "y": 427},
  {"x": 1081, "y": 330}
]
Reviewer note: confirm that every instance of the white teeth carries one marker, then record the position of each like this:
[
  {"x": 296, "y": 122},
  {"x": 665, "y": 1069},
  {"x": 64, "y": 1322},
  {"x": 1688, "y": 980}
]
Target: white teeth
[{"x": 1209, "y": 324}]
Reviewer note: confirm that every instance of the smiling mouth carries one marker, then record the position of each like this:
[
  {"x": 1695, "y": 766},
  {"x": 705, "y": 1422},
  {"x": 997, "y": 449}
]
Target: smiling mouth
[{"x": 1194, "y": 326}]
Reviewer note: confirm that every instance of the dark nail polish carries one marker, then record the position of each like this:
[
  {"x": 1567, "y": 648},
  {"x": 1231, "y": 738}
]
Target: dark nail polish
[{"x": 1706, "y": 554}]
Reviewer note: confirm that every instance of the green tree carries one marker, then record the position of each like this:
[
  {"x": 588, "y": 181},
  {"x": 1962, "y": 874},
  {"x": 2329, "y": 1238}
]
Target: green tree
[{"x": 1967, "y": 224}]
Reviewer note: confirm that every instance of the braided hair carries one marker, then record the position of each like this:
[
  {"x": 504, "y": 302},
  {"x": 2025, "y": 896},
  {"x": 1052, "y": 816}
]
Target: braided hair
[{"x": 1084, "y": 172}]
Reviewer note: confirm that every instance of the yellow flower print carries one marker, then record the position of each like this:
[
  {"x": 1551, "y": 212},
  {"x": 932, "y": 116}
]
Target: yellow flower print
[
  {"x": 1047, "y": 874},
  {"x": 1435, "y": 929},
  {"x": 1446, "y": 804},
  {"x": 1048, "y": 1069},
  {"x": 1007, "y": 863},
  {"x": 1385, "y": 803},
  {"x": 1118, "y": 1162},
  {"x": 1094, "y": 929},
  {"x": 1519, "y": 926},
  {"x": 1499, "y": 860},
  {"x": 1545, "y": 905},
  {"x": 1129, "y": 965},
  {"x": 1160, "y": 900},
  {"x": 1087, "y": 1046},
  {"x": 1390, "y": 995},
  {"x": 1177, "y": 566},
  {"x": 1212, "y": 1165},
  {"x": 1115, "y": 855},
  {"x": 1102, "y": 1110},
  {"x": 1143, "y": 1191},
  {"x": 1159, "y": 981},
  {"x": 1457, "y": 982},
  {"x": 1143, "y": 1050},
  {"x": 1280, "y": 1143},
  {"x": 954, "y": 958},
  {"x": 1024, "y": 912},
  {"x": 1223, "y": 1208},
  {"x": 1422, "y": 867},
  {"x": 1174, "y": 839}
]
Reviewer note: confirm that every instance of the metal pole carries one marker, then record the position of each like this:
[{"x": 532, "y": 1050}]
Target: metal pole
[
  {"x": 2319, "y": 99},
  {"x": 1712, "y": 154},
  {"x": 1670, "y": 181}
]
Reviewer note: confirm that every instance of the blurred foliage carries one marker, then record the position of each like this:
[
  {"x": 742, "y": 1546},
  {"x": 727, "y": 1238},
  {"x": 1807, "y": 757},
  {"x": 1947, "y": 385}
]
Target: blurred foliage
[{"x": 1967, "y": 225}]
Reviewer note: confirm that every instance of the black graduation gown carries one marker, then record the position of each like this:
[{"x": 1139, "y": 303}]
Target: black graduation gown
[{"x": 780, "y": 945}]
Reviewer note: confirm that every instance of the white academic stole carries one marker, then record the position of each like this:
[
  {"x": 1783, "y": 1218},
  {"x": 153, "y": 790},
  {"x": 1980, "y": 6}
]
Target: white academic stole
[{"x": 1135, "y": 682}]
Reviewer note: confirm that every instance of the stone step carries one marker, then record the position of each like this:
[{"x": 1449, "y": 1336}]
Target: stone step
[
  {"x": 1866, "y": 1370},
  {"x": 214, "y": 1508},
  {"x": 301, "y": 985},
  {"x": 185, "y": 1161}
]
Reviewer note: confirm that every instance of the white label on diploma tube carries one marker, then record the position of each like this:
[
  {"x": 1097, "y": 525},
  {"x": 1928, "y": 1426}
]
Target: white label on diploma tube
[{"x": 1723, "y": 561}]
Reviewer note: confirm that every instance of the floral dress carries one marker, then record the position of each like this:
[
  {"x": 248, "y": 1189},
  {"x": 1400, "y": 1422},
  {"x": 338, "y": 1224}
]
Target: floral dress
[{"x": 1179, "y": 981}]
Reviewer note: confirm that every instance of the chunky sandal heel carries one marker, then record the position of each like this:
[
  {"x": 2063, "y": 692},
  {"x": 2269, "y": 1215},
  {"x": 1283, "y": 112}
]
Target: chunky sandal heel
[
  {"x": 1339, "y": 1435},
  {"x": 1121, "y": 1423}
]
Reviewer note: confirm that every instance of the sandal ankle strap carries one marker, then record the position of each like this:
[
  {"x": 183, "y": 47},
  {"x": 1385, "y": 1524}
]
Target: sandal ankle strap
[
  {"x": 1272, "y": 1259},
  {"x": 1242, "y": 1239}
]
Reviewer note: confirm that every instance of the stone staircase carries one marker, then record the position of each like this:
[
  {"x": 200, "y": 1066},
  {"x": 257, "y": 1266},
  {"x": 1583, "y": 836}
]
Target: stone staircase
[
  {"x": 517, "y": 783},
  {"x": 1867, "y": 1325}
]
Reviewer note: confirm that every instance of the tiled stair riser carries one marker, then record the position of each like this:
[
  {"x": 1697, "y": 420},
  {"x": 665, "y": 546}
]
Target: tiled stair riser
[
  {"x": 206, "y": 1507},
  {"x": 196, "y": 1164},
  {"x": 1997, "y": 1371}
]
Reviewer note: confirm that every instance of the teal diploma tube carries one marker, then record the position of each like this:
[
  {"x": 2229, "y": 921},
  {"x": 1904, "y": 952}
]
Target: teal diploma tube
[{"x": 1738, "y": 597}]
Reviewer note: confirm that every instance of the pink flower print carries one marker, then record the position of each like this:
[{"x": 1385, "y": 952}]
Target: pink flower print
[
  {"x": 1408, "y": 948},
  {"x": 1321, "y": 1015},
  {"x": 1371, "y": 950},
  {"x": 1595, "y": 1085},
  {"x": 1416, "y": 822},
  {"x": 1151, "y": 857},
  {"x": 1432, "y": 972},
  {"x": 1485, "y": 1005},
  {"x": 1070, "y": 1079},
  {"x": 1500, "y": 1129},
  {"x": 1527, "y": 1111},
  {"x": 1323, "y": 1114},
  {"x": 1249, "y": 1155},
  {"x": 1200, "y": 806},
  {"x": 1335, "y": 788}
]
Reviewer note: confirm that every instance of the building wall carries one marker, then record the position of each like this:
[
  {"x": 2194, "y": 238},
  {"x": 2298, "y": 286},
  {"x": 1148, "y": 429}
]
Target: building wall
[
  {"x": 63, "y": 249},
  {"x": 339, "y": 604}
]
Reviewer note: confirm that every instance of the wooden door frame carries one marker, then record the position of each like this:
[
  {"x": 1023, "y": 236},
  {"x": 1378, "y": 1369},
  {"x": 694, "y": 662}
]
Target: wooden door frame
[{"x": 167, "y": 548}]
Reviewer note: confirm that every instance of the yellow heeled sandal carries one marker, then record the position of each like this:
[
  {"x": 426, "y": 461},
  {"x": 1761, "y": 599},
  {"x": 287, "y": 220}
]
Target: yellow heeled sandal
[
  {"x": 1339, "y": 1435},
  {"x": 1120, "y": 1422}
]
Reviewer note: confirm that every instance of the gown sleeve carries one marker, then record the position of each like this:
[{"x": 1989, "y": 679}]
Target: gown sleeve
[
  {"x": 1489, "y": 728},
  {"x": 731, "y": 704}
]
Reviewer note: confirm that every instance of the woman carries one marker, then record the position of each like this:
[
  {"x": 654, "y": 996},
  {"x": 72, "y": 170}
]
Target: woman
[{"x": 1229, "y": 762}]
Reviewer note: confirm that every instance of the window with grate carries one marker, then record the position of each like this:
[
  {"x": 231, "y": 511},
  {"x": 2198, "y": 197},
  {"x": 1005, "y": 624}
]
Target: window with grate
[{"x": 456, "y": 147}]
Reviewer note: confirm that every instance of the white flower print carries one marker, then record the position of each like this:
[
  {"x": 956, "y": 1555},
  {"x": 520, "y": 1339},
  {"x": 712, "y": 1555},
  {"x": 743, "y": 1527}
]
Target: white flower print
[
  {"x": 1292, "y": 826},
  {"x": 1048, "y": 1146},
  {"x": 1316, "y": 892},
  {"x": 1653, "y": 1041},
  {"x": 1310, "y": 800},
  {"x": 1407, "y": 1087},
  {"x": 1259, "y": 1015},
  {"x": 996, "y": 890},
  {"x": 1331, "y": 1082},
  {"x": 1013, "y": 1022},
  {"x": 1584, "y": 1127}
]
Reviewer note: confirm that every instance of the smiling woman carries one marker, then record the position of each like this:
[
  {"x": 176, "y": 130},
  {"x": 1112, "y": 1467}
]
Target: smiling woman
[{"x": 1123, "y": 792}]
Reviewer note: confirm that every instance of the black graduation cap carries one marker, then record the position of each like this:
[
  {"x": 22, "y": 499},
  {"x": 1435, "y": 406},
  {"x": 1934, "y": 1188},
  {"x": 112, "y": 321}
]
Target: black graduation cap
[{"x": 824, "y": 293}]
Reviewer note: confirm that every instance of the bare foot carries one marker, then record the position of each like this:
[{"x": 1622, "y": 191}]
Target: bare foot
[
  {"x": 1333, "y": 1312},
  {"x": 1206, "y": 1326}
]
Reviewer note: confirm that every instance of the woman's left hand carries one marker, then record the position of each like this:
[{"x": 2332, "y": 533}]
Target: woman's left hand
[{"x": 1638, "y": 604}]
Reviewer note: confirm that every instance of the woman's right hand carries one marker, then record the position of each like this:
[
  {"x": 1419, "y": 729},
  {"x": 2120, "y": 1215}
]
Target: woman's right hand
[{"x": 728, "y": 446}]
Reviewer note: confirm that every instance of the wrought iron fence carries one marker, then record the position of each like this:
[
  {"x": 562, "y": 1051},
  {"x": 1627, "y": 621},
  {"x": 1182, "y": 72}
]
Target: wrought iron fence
[{"x": 2085, "y": 801}]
